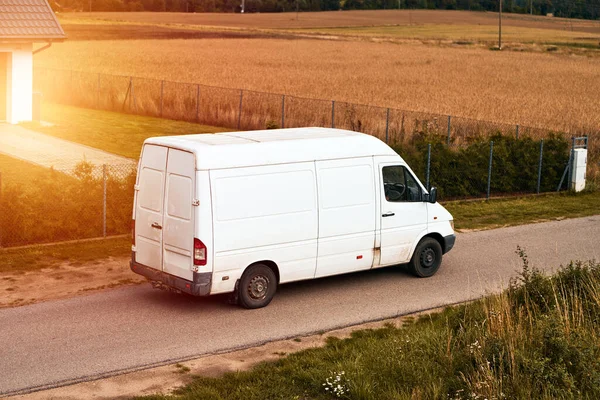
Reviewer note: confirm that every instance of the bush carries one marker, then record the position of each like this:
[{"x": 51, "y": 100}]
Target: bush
[{"x": 463, "y": 172}]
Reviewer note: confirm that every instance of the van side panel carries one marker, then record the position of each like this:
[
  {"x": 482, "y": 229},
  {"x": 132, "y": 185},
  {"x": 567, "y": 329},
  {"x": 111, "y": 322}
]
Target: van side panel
[
  {"x": 149, "y": 206},
  {"x": 347, "y": 215},
  {"x": 178, "y": 226},
  {"x": 264, "y": 213}
]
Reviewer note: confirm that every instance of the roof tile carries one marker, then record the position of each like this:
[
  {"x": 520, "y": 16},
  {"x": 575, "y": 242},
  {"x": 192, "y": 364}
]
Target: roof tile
[{"x": 28, "y": 19}]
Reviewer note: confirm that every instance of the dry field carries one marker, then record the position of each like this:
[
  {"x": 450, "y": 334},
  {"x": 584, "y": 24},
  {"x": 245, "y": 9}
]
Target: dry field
[
  {"x": 335, "y": 19},
  {"x": 537, "y": 89}
]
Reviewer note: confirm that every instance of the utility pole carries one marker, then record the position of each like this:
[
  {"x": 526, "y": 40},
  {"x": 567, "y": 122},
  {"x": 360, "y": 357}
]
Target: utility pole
[
  {"x": 500, "y": 27},
  {"x": 530, "y": 7}
]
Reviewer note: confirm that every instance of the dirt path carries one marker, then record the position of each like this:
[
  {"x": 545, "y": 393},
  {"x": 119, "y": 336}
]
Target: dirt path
[{"x": 64, "y": 281}]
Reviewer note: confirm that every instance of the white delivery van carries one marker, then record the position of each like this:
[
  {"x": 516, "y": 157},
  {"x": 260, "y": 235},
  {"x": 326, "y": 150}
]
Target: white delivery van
[{"x": 243, "y": 212}]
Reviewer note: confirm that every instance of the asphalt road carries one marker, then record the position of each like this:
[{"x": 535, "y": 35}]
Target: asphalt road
[{"x": 60, "y": 342}]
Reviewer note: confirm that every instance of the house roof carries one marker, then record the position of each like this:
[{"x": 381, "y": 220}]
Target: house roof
[{"x": 31, "y": 20}]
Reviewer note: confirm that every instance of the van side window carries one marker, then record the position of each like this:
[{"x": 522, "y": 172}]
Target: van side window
[{"x": 399, "y": 185}]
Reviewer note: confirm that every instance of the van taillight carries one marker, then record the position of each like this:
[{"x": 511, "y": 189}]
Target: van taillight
[
  {"x": 199, "y": 252},
  {"x": 133, "y": 232}
]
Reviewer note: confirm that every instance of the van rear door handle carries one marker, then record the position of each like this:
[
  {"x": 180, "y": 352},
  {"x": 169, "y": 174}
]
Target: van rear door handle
[
  {"x": 156, "y": 225},
  {"x": 389, "y": 214}
]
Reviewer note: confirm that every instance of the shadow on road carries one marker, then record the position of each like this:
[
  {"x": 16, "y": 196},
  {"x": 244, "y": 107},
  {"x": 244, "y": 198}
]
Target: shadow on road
[{"x": 359, "y": 282}]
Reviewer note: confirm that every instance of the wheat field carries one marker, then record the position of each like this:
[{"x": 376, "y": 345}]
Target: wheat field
[
  {"x": 333, "y": 19},
  {"x": 546, "y": 90}
]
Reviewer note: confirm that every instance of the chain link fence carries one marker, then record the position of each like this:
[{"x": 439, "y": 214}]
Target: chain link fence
[
  {"x": 91, "y": 201},
  {"x": 249, "y": 110},
  {"x": 463, "y": 158},
  {"x": 78, "y": 203}
]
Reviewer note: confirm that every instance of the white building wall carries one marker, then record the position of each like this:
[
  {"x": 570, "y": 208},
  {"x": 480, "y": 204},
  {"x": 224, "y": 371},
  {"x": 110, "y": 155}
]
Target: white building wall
[{"x": 21, "y": 85}]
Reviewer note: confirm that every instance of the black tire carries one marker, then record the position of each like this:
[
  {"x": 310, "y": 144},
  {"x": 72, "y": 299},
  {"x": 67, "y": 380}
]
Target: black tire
[
  {"x": 257, "y": 286},
  {"x": 427, "y": 258}
]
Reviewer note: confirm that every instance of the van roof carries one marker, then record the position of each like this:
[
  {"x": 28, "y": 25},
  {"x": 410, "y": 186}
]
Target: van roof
[{"x": 274, "y": 146}]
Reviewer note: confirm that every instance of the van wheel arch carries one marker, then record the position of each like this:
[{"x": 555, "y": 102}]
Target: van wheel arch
[
  {"x": 270, "y": 264},
  {"x": 439, "y": 239}
]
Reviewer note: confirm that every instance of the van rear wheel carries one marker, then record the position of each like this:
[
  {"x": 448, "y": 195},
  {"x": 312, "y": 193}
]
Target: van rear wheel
[
  {"x": 257, "y": 286},
  {"x": 427, "y": 258}
]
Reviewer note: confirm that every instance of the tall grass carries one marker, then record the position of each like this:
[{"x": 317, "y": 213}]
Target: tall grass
[{"x": 539, "y": 339}]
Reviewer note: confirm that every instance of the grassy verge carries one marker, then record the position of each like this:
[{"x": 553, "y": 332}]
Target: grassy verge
[
  {"x": 38, "y": 257},
  {"x": 468, "y": 215},
  {"x": 525, "y": 210},
  {"x": 540, "y": 339},
  {"x": 117, "y": 133}
]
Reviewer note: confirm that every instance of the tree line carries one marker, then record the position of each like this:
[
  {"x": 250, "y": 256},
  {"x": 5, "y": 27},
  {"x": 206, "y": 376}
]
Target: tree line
[{"x": 584, "y": 9}]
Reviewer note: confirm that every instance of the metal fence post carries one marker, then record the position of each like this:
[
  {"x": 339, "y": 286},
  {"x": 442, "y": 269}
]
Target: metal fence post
[
  {"x": 162, "y": 90},
  {"x": 387, "y": 125},
  {"x": 540, "y": 166},
  {"x": 98, "y": 93},
  {"x": 1, "y": 213},
  {"x": 133, "y": 95},
  {"x": 198, "y": 103},
  {"x": 449, "y": 125},
  {"x": 489, "y": 182},
  {"x": 517, "y": 133},
  {"x": 104, "y": 176},
  {"x": 240, "y": 112},
  {"x": 428, "y": 166},
  {"x": 130, "y": 89},
  {"x": 333, "y": 113},
  {"x": 283, "y": 110}
]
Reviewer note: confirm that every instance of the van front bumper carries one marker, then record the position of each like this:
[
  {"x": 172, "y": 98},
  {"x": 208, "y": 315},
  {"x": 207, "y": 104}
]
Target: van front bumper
[
  {"x": 199, "y": 286},
  {"x": 449, "y": 242}
]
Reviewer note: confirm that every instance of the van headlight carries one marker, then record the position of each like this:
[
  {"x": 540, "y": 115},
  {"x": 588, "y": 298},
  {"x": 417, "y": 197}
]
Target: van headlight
[{"x": 452, "y": 224}]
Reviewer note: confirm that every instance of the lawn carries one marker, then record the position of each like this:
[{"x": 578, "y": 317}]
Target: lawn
[
  {"x": 116, "y": 133},
  {"x": 34, "y": 258},
  {"x": 22, "y": 173},
  {"x": 508, "y": 212}
]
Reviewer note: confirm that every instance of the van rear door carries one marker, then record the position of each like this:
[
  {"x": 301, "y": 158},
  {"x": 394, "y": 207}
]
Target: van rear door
[
  {"x": 164, "y": 216},
  {"x": 178, "y": 228},
  {"x": 149, "y": 206}
]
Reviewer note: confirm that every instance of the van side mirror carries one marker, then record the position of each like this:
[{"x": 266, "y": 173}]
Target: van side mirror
[{"x": 432, "y": 198}]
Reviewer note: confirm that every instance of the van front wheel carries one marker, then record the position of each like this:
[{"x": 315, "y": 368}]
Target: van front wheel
[
  {"x": 427, "y": 258},
  {"x": 257, "y": 286}
]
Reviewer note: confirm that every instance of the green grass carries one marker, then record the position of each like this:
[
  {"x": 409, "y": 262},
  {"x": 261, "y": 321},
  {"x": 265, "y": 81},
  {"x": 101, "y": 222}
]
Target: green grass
[
  {"x": 22, "y": 173},
  {"x": 538, "y": 340},
  {"x": 117, "y": 133},
  {"x": 525, "y": 210},
  {"x": 38, "y": 257}
]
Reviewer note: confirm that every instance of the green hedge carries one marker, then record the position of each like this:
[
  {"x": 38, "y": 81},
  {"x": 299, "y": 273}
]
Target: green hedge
[{"x": 463, "y": 171}]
